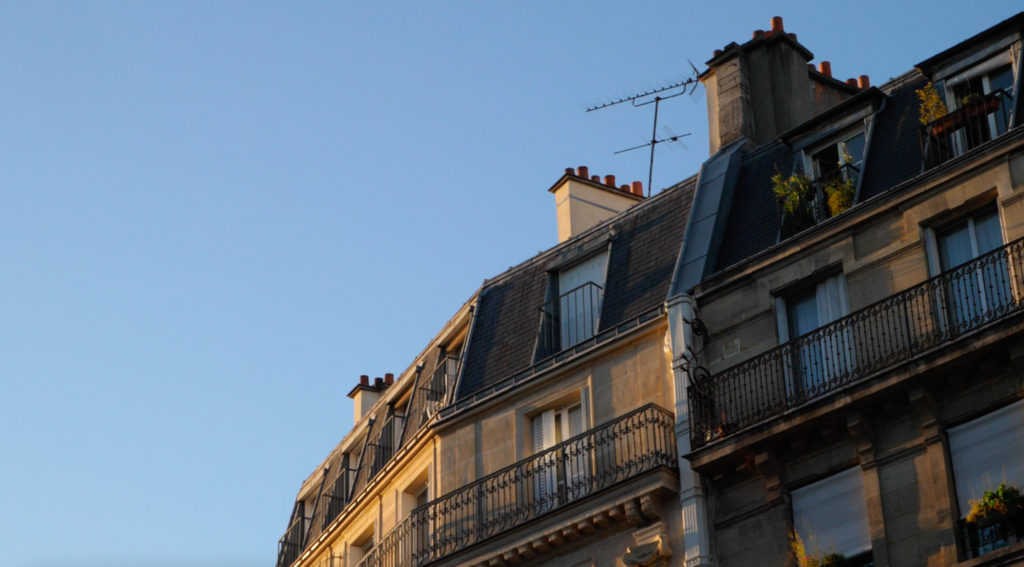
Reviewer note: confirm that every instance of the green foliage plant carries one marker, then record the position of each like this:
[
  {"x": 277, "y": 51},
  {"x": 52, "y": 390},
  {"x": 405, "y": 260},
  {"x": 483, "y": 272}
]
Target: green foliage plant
[
  {"x": 932, "y": 107},
  {"x": 998, "y": 502},
  {"x": 791, "y": 190},
  {"x": 813, "y": 557}
]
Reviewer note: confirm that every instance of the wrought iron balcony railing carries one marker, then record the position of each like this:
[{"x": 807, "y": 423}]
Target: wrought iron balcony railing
[
  {"x": 334, "y": 500},
  {"x": 812, "y": 206},
  {"x": 569, "y": 319},
  {"x": 965, "y": 128},
  {"x": 929, "y": 315},
  {"x": 289, "y": 547},
  {"x": 988, "y": 536},
  {"x": 615, "y": 452}
]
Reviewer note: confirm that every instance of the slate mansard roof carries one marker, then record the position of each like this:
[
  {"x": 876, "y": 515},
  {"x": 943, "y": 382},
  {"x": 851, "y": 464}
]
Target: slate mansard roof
[
  {"x": 645, "y": 243},
  {"x": 893, "y": 158}
]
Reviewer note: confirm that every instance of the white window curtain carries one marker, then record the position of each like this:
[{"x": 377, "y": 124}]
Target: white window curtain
[
  {"x": 987, "y": 452},
  {"x": 971, "y": 294},
  {"x": 549, "y": 429},
  {"x": 821, "y": 360},
  {"x": 832, "y": 514}
]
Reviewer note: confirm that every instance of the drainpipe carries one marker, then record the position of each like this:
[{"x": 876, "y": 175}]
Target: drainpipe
[
  {"x": 868, "y": 136},
  {"x": 696, "y": 526},
  {"x": 1016, "y": 89}
]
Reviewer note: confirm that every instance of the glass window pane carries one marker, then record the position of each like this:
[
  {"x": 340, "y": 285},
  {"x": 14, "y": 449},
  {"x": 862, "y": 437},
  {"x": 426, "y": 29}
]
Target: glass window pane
[
  {"x": 855, "y": 147},
  {"x": 955, "y": 246},
  {"x": 1001, "y": 78},
  {"x": 802, "y": 313},
  {"x": 986, "y": 227}
]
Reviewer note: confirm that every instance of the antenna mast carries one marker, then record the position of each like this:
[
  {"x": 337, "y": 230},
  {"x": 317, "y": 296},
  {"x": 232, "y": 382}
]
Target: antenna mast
[{"x": 682, "y": 87}]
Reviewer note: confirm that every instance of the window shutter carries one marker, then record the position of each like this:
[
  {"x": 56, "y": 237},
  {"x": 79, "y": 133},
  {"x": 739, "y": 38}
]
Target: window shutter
[
  {"x": 816, "y": 519},
  {"x": 538, "y": 433},
  {"x": 575, "y": 419},
  {"x": 987, "y": 452}
]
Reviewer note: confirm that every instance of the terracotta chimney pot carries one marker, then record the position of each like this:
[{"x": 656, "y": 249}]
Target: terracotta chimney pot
[
  {"x": 864, "y": 82},
  {"x": 583, "y": 171},
  {"x": 851, "y": 82},
  {"x": 758, "y": 34},
  {"x": 378, "y": 382},
  {"x": 609, "y": 180},
  {"x": 716, "y": 53},
  {"x": 638, "y": 188},
  {"x": 570, "y": 171},
  {"x": 595, "y": 178},
  {"x": 825, "y": 68},
  {"x": 364, "y": 380},
  {"x": 777, "y": 25},
  {"x": 625, "y": 188},
  {"x": 389, "y": 378}
]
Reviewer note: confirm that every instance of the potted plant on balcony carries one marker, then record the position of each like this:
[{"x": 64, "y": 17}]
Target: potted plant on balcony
[
  {"x": 791, "y": 190},
  {"x": 813, "y": 557},
  {"x": 841, "y": 188},
  {"x": 996, "y": 506},
  {"x": 932, "y": 106}
]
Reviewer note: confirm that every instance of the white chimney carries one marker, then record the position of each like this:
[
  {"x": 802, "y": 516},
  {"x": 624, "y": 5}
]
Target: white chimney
[{"x": 581, "y": 201}]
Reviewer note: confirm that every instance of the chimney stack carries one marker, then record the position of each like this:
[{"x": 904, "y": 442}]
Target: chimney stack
[
  {"x": 582, "y": 202},
  {"x": 365, "y": 396},
  {"x": 759, "y": 89}
]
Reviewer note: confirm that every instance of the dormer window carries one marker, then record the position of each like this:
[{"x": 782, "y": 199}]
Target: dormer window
[
  {"x": 978, "y": 100},
  {"x": 828, "y": 160},
  {"x": 573, "y": 310}
]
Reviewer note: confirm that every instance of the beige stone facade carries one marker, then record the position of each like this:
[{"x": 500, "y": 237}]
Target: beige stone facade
[{"x": 698, "y": 377}]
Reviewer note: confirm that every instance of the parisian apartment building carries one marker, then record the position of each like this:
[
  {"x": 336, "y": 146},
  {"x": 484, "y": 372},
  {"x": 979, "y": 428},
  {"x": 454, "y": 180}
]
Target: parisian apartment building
[{"x": 810, "y": 353}]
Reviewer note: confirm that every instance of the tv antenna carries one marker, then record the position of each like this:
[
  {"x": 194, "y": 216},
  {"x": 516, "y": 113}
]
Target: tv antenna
[{"x": 660, "y": 93}]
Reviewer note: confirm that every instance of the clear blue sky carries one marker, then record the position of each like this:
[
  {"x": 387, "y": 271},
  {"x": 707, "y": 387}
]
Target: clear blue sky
[{"x": 215, "y": 216}]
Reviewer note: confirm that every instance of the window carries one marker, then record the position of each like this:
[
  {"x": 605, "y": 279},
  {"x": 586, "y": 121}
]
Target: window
[
  {"x": 979, "y": 101},
  {"x": 558, "y": 474},
  {"x": 974, "y": 292},
  {"x": 415, "y": 495},
  {"x": 362, "y": 545},
  {"x": 849, "y": 150},
  {"x": 820, "y": 526},
  {"x": 974, "y": 85},
  {"x": 815, "y": 360},
  {"x": 573, "y": 312},
  {"x": 986, "y": 452},
  {"x": 580, "y": 289}
]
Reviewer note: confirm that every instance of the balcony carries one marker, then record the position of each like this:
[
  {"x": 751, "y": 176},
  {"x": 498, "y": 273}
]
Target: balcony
[
  {"x": 903, "y": 326},
  {"x": 569, "y": 319},
  {"x": 289, "y": 547},
  {"x": 554, "y": 479},
  {"x": 984, "y": 538},
  {"x": 966, "y": 128},
  {"x": 810, "y": 200}
]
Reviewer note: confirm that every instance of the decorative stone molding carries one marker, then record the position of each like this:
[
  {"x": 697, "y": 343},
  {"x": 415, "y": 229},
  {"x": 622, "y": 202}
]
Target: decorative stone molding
[
  {"x": 864, "y": 436},
  {"x": 633, "y": 513},
  {"x": 650, "y": 507},
  {"x": 928, "y": 413},
  {"x": 771, "y": 471},
  {"x": 639, "y": 512},
  {"x": 652, "y": 548}
]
